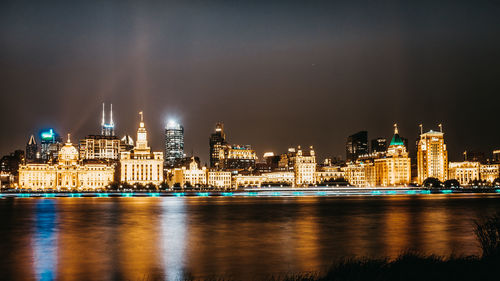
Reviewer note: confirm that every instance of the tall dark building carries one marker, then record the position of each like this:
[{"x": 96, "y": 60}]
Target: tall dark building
[
  {"x": 217, "y": 141},
  {"x": 31, "y": 149},
  {"x": 174, "y": 143},
  {"x": 378, "y": 145},
  {"x": 356, "y": 145},
  {"x": 10, "y": 163},
  {"x": 50, "y": 144}
]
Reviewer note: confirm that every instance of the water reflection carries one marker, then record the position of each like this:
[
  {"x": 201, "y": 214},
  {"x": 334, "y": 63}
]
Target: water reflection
[
  {"x": 233, "y": 237},
  {"x": 173, "y": 228},
  {"x": 45, "y": 240}
]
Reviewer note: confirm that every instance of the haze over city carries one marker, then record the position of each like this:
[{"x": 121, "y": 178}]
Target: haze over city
[{"x": 278, "y": 73}]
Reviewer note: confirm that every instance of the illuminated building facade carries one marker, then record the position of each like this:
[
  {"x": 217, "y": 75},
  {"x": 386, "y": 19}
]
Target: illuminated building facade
[
  {"x": 217, "y": 141},
  {"x": 69, "y": 172},
  {"x": 360, "y": 174},
  {"x": 279, "y": 177},
  {"x": 247, "y": 181},
  {"x": 192, "y": 175},
  {"x": 329, "y": 172},
  {"x": 489, "y": 172},
  {"x": 174, "y": 143},
  {"x": 395, "y": 168},
  {"x": 237, "y": 157},
  {"x": 140, "y": 165},
  {"x": 101, "y": 147},
  {"x": 464, "y": 172},
  {"x": 31, "y": 149},
  {"x": 432, "y": 157},
  {"x": 107, "y": 129},
  {"x": 219, "y": 179},
  {"x": 305, "y": 167},
  {"x": 356, "y": 145}
]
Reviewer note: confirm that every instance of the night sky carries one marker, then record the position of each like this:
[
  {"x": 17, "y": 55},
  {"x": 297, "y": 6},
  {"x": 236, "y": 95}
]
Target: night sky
[{"x": 278, "y": 73}]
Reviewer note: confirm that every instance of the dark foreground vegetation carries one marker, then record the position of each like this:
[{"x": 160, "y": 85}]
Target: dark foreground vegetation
[{"x": 414, "y": 266}]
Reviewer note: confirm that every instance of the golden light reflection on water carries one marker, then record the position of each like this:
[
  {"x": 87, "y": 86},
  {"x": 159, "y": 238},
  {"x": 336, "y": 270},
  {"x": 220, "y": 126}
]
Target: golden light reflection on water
[{"x": 242, "y": 238}]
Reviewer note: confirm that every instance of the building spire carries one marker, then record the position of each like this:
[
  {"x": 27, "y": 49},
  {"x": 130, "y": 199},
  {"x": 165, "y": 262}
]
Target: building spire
[
  {"x": 421, "y": 128},
  {"x": 103, "y": 121},
  {"x": 440, "y": 127},
  {"x": 111, "y": 113},
  {"x": 396, "y": 128},
  {"x": 69, "y": 135}
]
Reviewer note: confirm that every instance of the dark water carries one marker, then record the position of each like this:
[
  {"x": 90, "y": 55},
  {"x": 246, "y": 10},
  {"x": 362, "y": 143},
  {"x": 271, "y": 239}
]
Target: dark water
[{"x": 241, "y": 238}]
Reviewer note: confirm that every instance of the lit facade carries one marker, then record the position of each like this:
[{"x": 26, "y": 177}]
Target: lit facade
[
  {"x": 101, "y": 147},
  {"x": 193, "y": 175},
  {"x": 326, "y": 173},
  {"x": 140, "y": 165},
  {"x": 247, "y": 181},
  {"x": 67, "y": 173},
  {"x": 305, "y": 167},
  {"x": 489, "y": 172},
  {"x": 174, "y": 143},
  {"x": 395, "y": 168},
  {"x": 432, "y": 157},
  {"x": 237, "y": 157},
  {"x": 464, "y": 172},
  {"x": 280, "y": 177},
  {"x": 219, "y": 179}
]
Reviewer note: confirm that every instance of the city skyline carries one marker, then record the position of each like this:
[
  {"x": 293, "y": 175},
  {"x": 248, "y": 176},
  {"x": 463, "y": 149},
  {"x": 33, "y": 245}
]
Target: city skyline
[{"x": 274, "y": 80}]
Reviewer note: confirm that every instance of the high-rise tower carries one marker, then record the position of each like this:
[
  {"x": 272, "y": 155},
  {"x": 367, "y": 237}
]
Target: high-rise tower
[
  {"x": 107, "y": 129},
  {"x": 174, "y": 143},
  {"x": 356, "y": 145},
  {"x": 432, "y": 156},
  {"x": 217, "y": 140},
  {"x": 31, "y": 149}
]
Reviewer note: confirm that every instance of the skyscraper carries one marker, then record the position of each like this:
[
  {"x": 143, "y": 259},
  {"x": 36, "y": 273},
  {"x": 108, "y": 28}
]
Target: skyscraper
[
  {"x": 356, "y": 145},
  {"x": 31, "y": 149},
  {"x": 107, "y": 129},
  {"x": 174, "y": 143},
  {"x": 432, "y": 156},
  {"x": 379, "y": 145},
  {"x": 217, "y": 140},
  {"x": 50, "y": 144}
]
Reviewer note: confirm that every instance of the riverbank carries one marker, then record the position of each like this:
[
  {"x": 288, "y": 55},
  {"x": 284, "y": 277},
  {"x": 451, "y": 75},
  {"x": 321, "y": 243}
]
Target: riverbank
[{"x": 273, "y": 191}]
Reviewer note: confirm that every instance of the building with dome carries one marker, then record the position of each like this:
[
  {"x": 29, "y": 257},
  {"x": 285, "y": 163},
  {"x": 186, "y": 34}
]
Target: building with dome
[
  {"x": 140, "y": 165},
  {"x": 395, "y": 168},
  {"x": 68, "y": 172}
]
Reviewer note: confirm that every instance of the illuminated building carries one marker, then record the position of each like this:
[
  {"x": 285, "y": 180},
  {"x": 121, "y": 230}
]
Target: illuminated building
[
  {"x": 127, "y": 142},
  {"x": 464, "y": 172},
  {"x": 219, "y": 179},
  {"x": 67, "y": 173},
  {"x": 107, "y": 129},
  {"x": 192, "y": 175},
  {"x": 329, "y": 172},
  {"x": 101, "y": 147},
  {"x": 140, "y": 165},
  {"x": 360, "y": 173},
  {"x": 217, "y": 141},
  {"x": 237, "y": 157},
  {"x": 50, "y": 144},
  {"x": 174, "y": 143},
  {"x": 496, "y": 156},
  {"x": 378, "y": 145},
  {"x": 395, "y": 168},
  {"x": 247, "y": 181},
  {"x": 304, "y": 167},
  {"x": 356, "y": 145},
  {"x": 489, "y": 172},
  {"x": 279, "y": 177},
  {"x": 432, "y": 156},
  {"x": 31, "y": 149}
]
